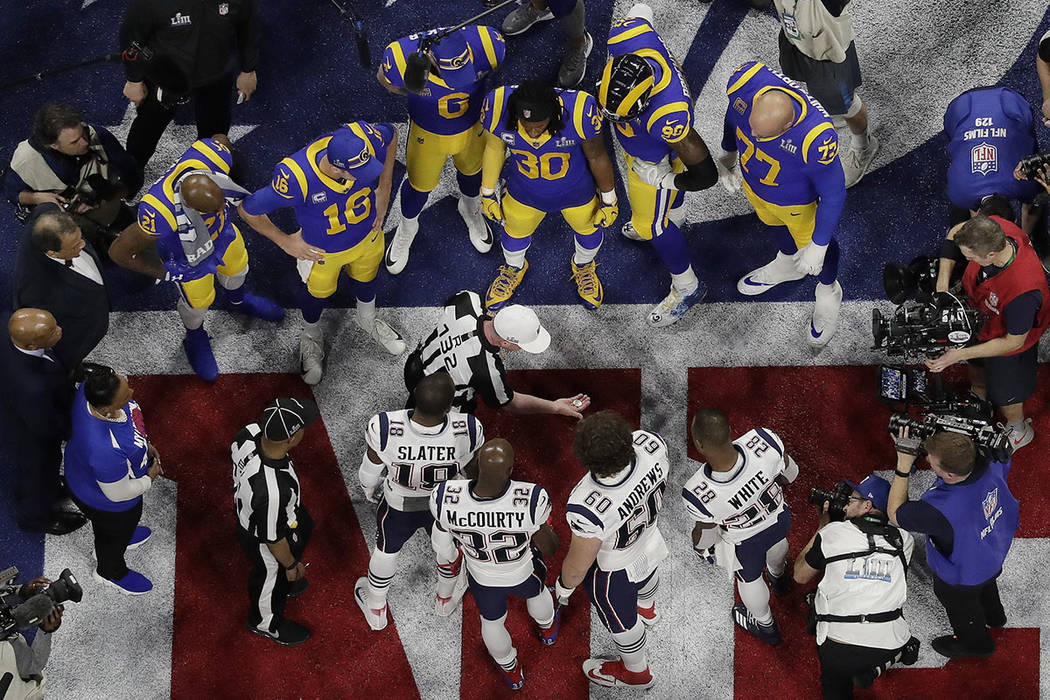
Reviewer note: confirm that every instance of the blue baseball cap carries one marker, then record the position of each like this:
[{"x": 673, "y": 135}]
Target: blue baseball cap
[
  {"x": 455, "y": 61},
  {"x": 349, "y": 150},
  {"x": 875, "y": 489}
]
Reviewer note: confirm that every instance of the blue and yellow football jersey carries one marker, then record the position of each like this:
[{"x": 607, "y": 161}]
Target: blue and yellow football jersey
[
  {"x": 549, "y": 171},
  {"x": 158, "y": 212},
  {"x": 334, "y": 215},
  {"x": 669, "y": 115},
  {"x": 799, "y": 167},
  {"x": 440, "y": 109}
]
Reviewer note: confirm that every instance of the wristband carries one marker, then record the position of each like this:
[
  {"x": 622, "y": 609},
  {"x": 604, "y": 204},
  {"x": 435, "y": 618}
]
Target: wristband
[
  {"x": 901, "y": 474},
  {"x": 608, "y": 197},
  {"x": 292, "y": 566},
  {"x": 487, "y": 191}
]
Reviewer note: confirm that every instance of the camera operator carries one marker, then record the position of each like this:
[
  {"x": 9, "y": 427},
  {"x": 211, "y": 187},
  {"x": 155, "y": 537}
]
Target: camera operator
[
  {"x": 202, "y": 42},
  {"x": 21, "y": 663},
  {"x": 64, "y": 156},
  {"x": 1005, "y": 281},
  {"x": 857, "y": 607},
  {"x": 969, "y": 518}
]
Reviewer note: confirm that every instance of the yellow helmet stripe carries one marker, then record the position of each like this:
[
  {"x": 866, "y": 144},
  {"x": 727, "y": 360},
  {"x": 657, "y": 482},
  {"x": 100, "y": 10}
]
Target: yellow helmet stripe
[
  {"x": 169, "y": 182},
  {"x": 665, "y": 69},
  {"x": 603, "y": 85},
  {"x": 640, "y": 28},
  {"x": 633, "y": 96}
]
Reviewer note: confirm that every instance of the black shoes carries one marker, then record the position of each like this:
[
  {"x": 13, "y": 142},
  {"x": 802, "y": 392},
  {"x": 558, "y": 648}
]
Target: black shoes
[
  {"x": 780, "y": 585},
  {"x": 59, "y": 523},
  {"x": 288, "y": 633},
  {"x": 298, "y": 588},
  {"x": 952, "y": 647}
]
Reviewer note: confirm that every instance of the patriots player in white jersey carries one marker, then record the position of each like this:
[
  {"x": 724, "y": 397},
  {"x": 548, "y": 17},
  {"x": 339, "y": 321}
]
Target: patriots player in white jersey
[
  {"x": 616, "y": 545},
  {"x": 737, "y": 500},
  {"x": 503, "y": 528},
  {"x": 418, "y": 449}
]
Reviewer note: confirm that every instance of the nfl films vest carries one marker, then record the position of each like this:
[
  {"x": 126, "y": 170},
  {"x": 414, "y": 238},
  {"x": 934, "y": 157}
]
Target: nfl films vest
[
  {"x": 12, "y": 687},
  {"x": 30, "y": 165},
  {"x": 993, "y": 295},
  {"x": 990, "y": 130},
  {"x": 983, "y": 516},
  {"x": 814, "y": 31}
]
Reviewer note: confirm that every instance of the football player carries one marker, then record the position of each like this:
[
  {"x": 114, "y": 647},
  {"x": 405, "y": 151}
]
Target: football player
[
  {"x": 642, "y": 92},
  {"x": 188, "y": 214},
  {"x": 339, "y": 187},
  {"x": 418, "y": 449},
  {"x": 737, "y": 497},
  {"x": 553, "y": 142},
  {"x": 502, "y": 527},
  {"x": 789, "y": 155},
  {"x": 443, "y": 121},
  {"x": 616, "y": 545}
]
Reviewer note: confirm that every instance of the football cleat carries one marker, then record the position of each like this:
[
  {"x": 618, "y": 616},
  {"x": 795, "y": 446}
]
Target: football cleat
[
  {"x": 311, "y": 358},
  {"x": 198, "y": 351},
  {"x": 524, "y": 17},
  {"x": 630, "y": 232},
  {"x": 574, "y": 64},
  {"x": 674, "y": 306},
  {"x": 650, "y": 616},
  {"x": 443, "y": 607},
  {"x": 856, "y": 161},
  {"x": 770, "y": 634},
  {"x": 477, "y": 225},
  {"x": 397, "y": 252},
  {"x": 516, "y": 678},
  {"x": 259, "y": 307},
  {"x": 781, "y": 269},
  {"x": 780, "y": 585},
  {"x": 381, "y": 332},
  {"x": 549, "y": 635},
  {"x": 502, "y": 288},
  {"x": 825, "y": 315},
  {"x": 376, "y": 618},
  {"x": 610, "y": 673},
  {"x": 588, "y": 286}
]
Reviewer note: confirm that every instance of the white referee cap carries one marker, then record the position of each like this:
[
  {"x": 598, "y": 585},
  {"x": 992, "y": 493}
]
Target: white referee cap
[
  {"x": 520, "y": 325},
  {"x": 285, "y": 417}
]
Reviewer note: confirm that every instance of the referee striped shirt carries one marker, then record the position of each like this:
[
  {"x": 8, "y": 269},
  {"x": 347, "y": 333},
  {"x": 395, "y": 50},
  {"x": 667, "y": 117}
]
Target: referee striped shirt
[
  {"x": 265, "y": 491},
  {"x": 458, "y": 346}
]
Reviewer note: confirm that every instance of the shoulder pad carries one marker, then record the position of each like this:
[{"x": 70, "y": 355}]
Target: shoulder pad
[{"x": 670, "y": 122}]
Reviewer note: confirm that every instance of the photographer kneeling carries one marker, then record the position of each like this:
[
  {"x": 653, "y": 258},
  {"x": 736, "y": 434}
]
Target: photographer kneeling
[
  {"x": 1005, "y": 281},
  {"x": 21, "y": 664},
  {"x": 969, "y": 518},
  {"x": 857, "y": 607}
]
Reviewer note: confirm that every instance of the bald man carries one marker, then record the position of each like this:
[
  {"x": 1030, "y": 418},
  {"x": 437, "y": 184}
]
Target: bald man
[
  {"x": 37, "y": 400},
  {"x": 187, "y": 214},
  {"x": 502, "y": 527},
  {"x": 790, "y": 172}
]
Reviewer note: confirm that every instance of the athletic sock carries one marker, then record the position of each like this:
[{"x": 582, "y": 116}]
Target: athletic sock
[
  {"x": 755, "y": 596},
  {"x": 587, "y": 245},
  {"x": 412, "y": 201},
  {"x": 381, "y": 570},
  {"x": 497, "y": 641},
  {"x": 631, "y": 645}
]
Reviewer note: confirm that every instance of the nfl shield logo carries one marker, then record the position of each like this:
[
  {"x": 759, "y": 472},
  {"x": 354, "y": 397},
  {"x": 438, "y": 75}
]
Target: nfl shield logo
[
  {"x": 224, "y": 8},
  {"x": 991, "y": 501},
  {"x": 984, "y": 159},
  {"x": 993, "y": 299}
]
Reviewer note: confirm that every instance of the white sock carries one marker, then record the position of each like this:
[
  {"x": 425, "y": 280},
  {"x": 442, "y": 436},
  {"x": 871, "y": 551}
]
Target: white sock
[
  {"x": 366, "y": 314},
  {"x": 191, "y": 318},
  {"x": 824, "y": 290},
  {"x": 685, "y": 282},
  {"x": 776, "y": 558},
  {"x": 647, "y": 592},
  {"x": 471, "y": 204},
  {"x": 584, "y": 256},
  {"x": 541, "y": 608},
  {"x": 755, "y": 595},
  {"x": 862, "y": 141},
  {"x": 408, "y": 228},
  {"x": 515, "y": 258},
  {"x": 381, "y": 570},
  {"x": 631, "y": 645},
  {"x": 497, "y": 641},
  {"x": 313, "y": 330}
]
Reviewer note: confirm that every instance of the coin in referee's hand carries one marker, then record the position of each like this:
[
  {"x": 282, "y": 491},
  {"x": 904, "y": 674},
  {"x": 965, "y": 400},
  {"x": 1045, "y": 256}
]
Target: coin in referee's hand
[{"x": 577, "y": 403}]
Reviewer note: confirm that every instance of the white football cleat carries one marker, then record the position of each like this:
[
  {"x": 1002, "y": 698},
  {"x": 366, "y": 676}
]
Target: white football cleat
[
  {"x": 443, "y": 607},
  {"x": 781, "y": 269},
  {"x": 674, "y": 306},
  {"x": 1019, "y": 439},
  {"x": 397, "y": 252},
  {"x": 311, "y": 358},
  {"x": 628, "y": 231},
  {"x": 825, "y": 314},
  {"x": 376, "y": 619},
  {"x": 641, "y": 10},
  {"x": 477, "y": 225},
  {"x": 856, "y": 161},
  {"x": 381, "y": 332}
]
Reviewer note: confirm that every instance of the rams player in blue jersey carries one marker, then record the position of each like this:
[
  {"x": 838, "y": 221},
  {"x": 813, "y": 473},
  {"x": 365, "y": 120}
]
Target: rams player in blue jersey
[
  {"x": 188, "y": 214},
  {"x": 552, "y": 142},
  {"x": 443, "y": 122},
  {"x": 788, "y": 155},
  {"x": 642, "y": 92},
  {"x": 339, "y": 188}
]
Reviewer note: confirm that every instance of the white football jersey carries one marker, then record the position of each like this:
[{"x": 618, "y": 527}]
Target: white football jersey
[
  {"x": 417, "y": 458},
  {"x": 751, "y": 499},
  {"x": 494, "y": 533},
  {"x": 622, "y": 510}
]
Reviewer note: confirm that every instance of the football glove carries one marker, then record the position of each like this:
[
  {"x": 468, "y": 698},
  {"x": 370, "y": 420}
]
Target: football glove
[
  {"x": 658, "y": 175},
  {"x": 810, "y": 260},
  {"x": 607, "y": 210},
  {"x": 731, "y": 177},
  {"x": 490, "y": 205}
]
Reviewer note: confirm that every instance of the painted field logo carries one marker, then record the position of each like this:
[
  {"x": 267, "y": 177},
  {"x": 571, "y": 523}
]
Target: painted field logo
[{"x": 984, "y": 158}]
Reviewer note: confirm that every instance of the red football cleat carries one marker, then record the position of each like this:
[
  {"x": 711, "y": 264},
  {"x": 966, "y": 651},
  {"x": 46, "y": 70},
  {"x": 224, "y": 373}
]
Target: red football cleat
[
  {"x": 650, "y": 616},
  {"x": 612, "y": 673},
  {"x": 516, "y": 678}
]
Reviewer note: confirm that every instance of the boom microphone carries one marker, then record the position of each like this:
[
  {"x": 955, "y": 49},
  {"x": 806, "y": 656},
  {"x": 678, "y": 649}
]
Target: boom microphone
[
  {"x": 363, "y": 52},
  {"x": 32, "y": 611}
]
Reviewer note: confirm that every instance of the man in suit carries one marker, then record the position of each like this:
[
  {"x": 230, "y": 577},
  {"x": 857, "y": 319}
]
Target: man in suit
[
  {"x": 38, "y": 394},
  {"x": 58, "y": 271}
]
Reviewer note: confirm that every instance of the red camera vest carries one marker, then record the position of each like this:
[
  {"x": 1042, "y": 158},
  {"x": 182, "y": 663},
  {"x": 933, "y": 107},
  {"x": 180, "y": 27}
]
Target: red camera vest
[{"x": 993, "y": 295}]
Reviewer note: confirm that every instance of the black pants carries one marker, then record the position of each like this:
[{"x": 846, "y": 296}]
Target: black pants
[
  {"x": 211, "y": 106},
  {"x": 267, "y": 583},
  {"x": 113, "y": 531},
  {"x": 970, "y": 609},
  {"x": 38, "y": 484},
  {"x": 839, "y": 663}
]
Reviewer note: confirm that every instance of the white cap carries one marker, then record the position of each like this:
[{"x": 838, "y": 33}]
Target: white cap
[{"x": 520, "y": 325}]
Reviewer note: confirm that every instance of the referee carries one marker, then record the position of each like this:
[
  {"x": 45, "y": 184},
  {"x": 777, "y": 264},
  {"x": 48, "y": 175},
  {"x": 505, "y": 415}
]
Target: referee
[
  {"x": 467, "y": 344},
  {"x": 272, "y": 525}
]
